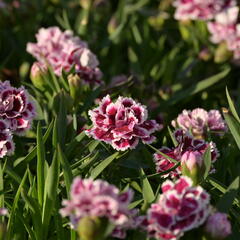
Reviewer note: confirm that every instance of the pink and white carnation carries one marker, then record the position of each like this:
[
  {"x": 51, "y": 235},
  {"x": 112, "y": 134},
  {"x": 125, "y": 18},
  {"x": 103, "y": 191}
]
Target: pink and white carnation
[
  {"x": 186, "y": 145},
  {"x": 226, "y": 28},
  {"x": 233, "y": 42},
  {"x": 62, "y": 51},
  {"x": 180, "y": 208},
  {"x": 218, "y": 226},
  {"x": 97, "y": 199},
  {"x": 224, "y": 25},
  {"x": 16, "y": 108},
  {"x": 199, "y": 121},
  {"x": 7, "y": 146},
  {"x": 200, "y": 9},
  {"x": 122, "y": 123}
]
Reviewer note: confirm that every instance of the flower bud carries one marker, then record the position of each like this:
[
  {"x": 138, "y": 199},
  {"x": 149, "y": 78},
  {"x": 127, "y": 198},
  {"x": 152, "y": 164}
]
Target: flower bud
[
  {"x": 222, "y": 53},
  {"x": 217, "y": 226},
  {"x": 92, "y": 228},
  {"x": 38, "y": 71},
  {"x": 205, "y": 54},
  {"x": 74, "y": 82},
  {"x": 112, "y": 25},
  {"x": 192, "y": 165}
]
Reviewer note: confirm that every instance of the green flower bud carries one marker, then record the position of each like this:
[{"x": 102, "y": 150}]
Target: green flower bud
[
  {"x": 74, "y": 82},
  {"x": 192, "y": 166},
  {"x": 37, "y": 75},
  {"x": 92, "y": 228},
  {"x": 222, "y": 53}
]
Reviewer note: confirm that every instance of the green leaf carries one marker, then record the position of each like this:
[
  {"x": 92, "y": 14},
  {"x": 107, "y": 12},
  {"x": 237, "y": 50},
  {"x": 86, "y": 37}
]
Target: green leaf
[
  {"x": 233, "y": 125},
  {"x": 175, "y": 143},
  {"x": 14, "y": 206},
  {"x": 196, "y": 88},
  {"x": 227, "y": 199},
  {"x": 73, "y": 144},
  {"x": 66, "y": 169},
  {"x": 51, "y": 187},
  {"x": 33, "y": 153},
  {"x": 40, "y": 164},
  {"x": 92, "y": 95},
  {"x": 163, "y": 154},
  {"x": 147, "y": 191},
  {"x": 231, "y": 106},
  {"x": 135, "y": 204},
  {"x": 35, "y": 213},
  {"x": 1, "y": 186},
  {"x": 207, "y": 160},
  {"x": 100, "y": 167}
]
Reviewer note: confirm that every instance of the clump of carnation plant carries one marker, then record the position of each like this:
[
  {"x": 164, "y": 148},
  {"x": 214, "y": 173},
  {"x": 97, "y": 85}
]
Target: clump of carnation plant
[
  {"x": 180, "y": 208},
  {"x": 63, "y": 51},
  {"x": 189, "y": 151},
  {"x": 98, "y": 201}
]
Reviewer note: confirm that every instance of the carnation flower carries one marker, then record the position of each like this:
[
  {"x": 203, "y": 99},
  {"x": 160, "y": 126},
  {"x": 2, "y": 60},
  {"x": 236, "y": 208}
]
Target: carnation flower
[
  {"x": 89, "y": 198},
  {"x": 233, "y": 42},
  {"x": 181, "y": 207},
  {"x": 218, "y": 226},
  {"x": 200, "y": 9},
  {"x": 16, "y": 108},
  {"x": 186, "y": 145},
  {"x": 121, "y": 124},
  {"x": 226, "y": 28},
  {"x": 224, "y": 25},
  {"x": 199, "y": 121},
  {"x": 6, "y": 143},
  {"x": 62, "y": 51}
]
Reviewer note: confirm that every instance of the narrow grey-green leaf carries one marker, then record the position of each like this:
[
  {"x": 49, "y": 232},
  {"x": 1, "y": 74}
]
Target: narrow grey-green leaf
[
  {"x": 33, "y": 152},
  {"x": 163, "y": 154},
  {"x": 233, "y": 125},
  {"x": 231, "y": 106},
  {"x": 13, "y": 209},
  {"x": 147, "y": 191},
  {"x": 67, "y": 173},
  {"x": 100, "y": 167},
  {"x": 227, "y": 199},
  {"x": 50, "y": 191},
  {"x": 196, "y": 88},
  {"x": 175, "y": 143},
  {"x": 207, "y": 160},
  {"x": 40, "y": 164}
]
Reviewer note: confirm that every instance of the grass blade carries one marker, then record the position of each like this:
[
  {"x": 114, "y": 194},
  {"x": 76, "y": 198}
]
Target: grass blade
[
  {"x": 67, "y": 173},
  {"x": 14, "y": 206},
  {"x": 147, "y": 191},
  {"x": 40, "y": 164},
  {"x": 233, "y": 125},
  {"x": 51, "y": 186},
  {"x": 227, "y": 199},
  {"x": 100, "y": 167},
  {"x": 231, "y": 106}
]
